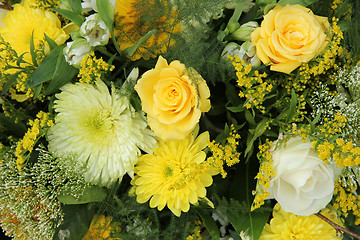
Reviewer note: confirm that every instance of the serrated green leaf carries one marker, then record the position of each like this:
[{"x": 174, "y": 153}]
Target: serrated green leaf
[
  {"x": 91, "y": 194},
  {"x": 32, "y": 50},
  {"x": 52, "y": 43},
  {"x": 75, "y": 6},
  {"x": 209, "y": 223},
  {"x": 45, "y": 71},
  {"x": 292, "y": 109},
  {"x": 63, "y": 74},
  {"x": 76, "y": 18}
]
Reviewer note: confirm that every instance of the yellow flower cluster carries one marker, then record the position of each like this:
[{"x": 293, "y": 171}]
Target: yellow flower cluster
[
  {"x": 345, "y": 198},
  {"x": 8, "y": 55},
  {"x": 225, "y": 154},
  {"x": 252, "y": 86},
  {"x": 91, "y": 68},
  {"x": 37, "y": 129},
  {"x": 197, "y": 232},
  {"x": 328, "y": 59},
  {"x": 265, "y": 173}
]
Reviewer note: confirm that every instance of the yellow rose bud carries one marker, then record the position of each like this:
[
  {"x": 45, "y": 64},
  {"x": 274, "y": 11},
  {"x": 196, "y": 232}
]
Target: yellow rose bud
[
  {"x": 173, "y": 98},
  {"x": 289, "y": 36}
]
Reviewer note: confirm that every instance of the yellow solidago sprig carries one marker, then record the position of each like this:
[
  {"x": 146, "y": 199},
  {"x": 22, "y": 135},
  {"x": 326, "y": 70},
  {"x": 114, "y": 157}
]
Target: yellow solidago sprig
[
  {"x": 345, "y": 198},
  {"x": 91, "y": 68},
  {"x": 264, "y": 175},
  {"x": 38, "y": 128},
  {"x": 251, "y": 83},
  {"x": 196, "y": 232},
  {"x": 175, "y": 175},
  {"x": 285, "y": 225},
  {"x": 225, "y": 154}
]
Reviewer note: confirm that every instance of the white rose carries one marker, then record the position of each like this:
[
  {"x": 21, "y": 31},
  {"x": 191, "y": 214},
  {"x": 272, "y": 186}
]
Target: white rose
[
  {"x": 89, "y": 5},
  {"x": 303, "y": 184}
]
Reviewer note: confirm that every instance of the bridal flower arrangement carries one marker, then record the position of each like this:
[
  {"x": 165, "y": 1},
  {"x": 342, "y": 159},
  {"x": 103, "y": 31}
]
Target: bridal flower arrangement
[{"x": 180, "y": 119}]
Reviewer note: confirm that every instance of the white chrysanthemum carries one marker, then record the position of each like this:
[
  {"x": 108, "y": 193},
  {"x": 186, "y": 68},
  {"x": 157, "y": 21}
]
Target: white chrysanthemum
[{"x": 101, "y": 129}]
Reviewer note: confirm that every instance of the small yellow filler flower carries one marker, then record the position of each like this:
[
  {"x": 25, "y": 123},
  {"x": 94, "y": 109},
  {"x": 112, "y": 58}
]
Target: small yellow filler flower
[
  {"x": 99, "y": 129},
  {"x": 175, "y": 175}
]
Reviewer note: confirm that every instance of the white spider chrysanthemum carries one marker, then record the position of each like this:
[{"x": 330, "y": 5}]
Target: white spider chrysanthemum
[{"x": 101, "y": 129}]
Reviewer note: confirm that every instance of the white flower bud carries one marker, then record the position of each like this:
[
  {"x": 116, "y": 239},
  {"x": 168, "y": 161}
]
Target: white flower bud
[
  {"x": 243, "y": 33},
  {"x": 95, "y": 31},
  {"x": 76, "y": 50},
  {"x": 246, "y": 52}
]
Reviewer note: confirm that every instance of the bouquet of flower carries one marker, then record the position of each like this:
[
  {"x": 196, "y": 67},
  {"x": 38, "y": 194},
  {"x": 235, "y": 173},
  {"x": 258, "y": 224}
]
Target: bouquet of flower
[{"x": 180, "y": 119}]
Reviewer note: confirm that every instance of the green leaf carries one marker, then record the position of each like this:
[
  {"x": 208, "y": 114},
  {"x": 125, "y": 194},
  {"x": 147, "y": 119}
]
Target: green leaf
[
  {"x": 130, "y": 50},
  {"x": 52, "y": 43},
  {"x": 45, "y": 71},
  {"x": 106, "y": 12},
  {"x": 75, "y": 6},
  {"x": 18, "y": 129},
  {"x": 251, "y": 222},
  {"x": 293, "y": 103},
  {"x": 209, "y": 223},
  {"x": 91, "y": 194},
  {"x": 249, "y": 118},
  {"x": 304, "y": 3},
  {"x": 77, "y": 219},
  {"x": 63, "y": 74},
  {"x": 259, "y": 130},
  {"x": 237, "y": 109},
  {"x": 37, "y": 90},
  {"x": 32, "y": 50},
  {"x": 77, "y": 18},
  {"x": 10, "y": 81}
]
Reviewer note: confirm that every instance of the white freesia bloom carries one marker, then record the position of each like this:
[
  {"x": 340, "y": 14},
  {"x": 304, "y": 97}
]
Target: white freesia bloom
[
  {"x": 101, "y": 130},
  {"x": 76, "y": 50},
  {"x": 95, "y": 31},
  {"x": 303, "y": 184}
]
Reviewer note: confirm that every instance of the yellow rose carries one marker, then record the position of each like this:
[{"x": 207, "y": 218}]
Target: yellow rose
[
  {"x": 289, "y": 36},
  {"x": 173, "y": 98}
]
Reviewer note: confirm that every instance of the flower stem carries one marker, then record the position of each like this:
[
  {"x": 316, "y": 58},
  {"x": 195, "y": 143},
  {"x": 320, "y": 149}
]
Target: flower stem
[
  {"x": 5, "y": 5},
  {"x": 337, "y": 227}
]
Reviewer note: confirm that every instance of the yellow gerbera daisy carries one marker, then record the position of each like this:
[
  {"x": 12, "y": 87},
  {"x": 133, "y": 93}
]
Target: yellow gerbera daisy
[
  {"x": 24, "y": 21},
  {"x": 175, "y": 175},
  {"x": 101, "y": 129},
  {"x": 287, "y": 226},
  {"x": 131, "y": 24}
]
